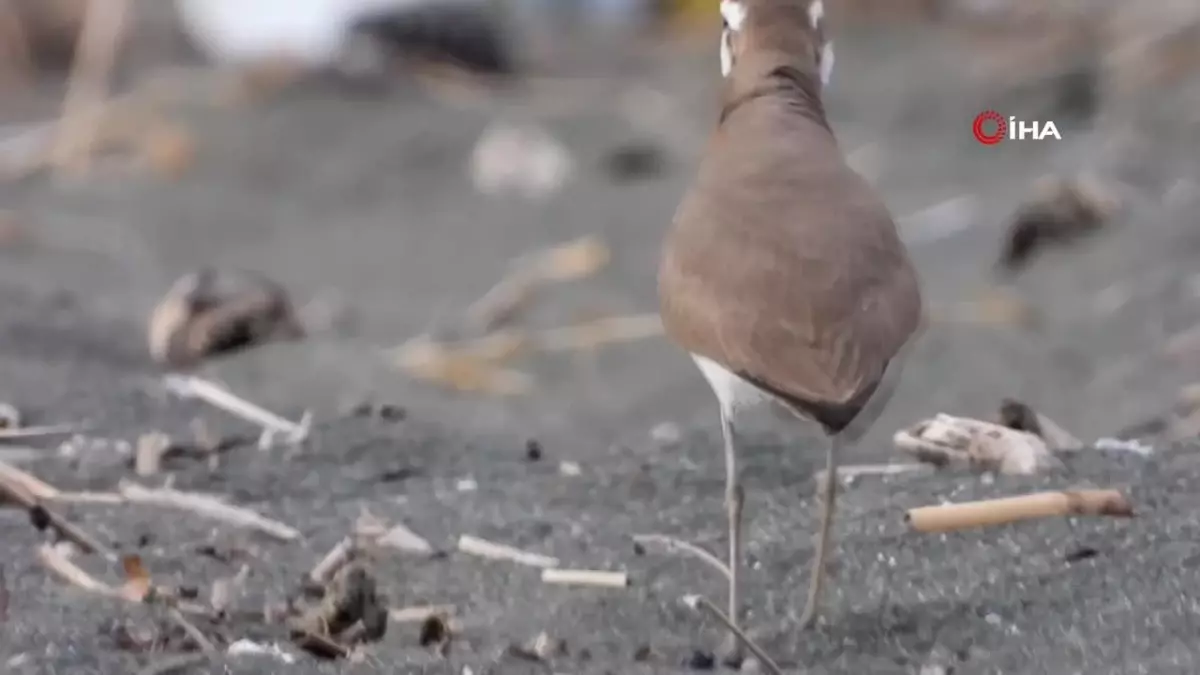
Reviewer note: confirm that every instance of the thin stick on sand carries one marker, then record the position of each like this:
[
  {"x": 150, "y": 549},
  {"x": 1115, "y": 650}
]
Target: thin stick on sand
[
  {"x": 674, "y": 545},
  {"x": 418, "y": 614},
  {"x": 596, "y": 578},
  {"x": 856, "y": 470},
  {"x": 95, "y": 54},
  {"x": 949, "y": 517},
  {"x": 58, "y": 563},
  {"x": 39, "y": 432},
  {"x": 493, "y": 551},
  {"x": 699, "y": 602},
  {"x": 272, "y": 424},
  {"x": 208, "y": 507},
  {"x": 15, "y": 487}
]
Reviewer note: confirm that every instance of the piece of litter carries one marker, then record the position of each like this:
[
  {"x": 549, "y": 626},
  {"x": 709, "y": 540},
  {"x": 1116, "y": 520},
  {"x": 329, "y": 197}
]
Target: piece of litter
[
  {"x": 244, "y": 647},
  {"x": 570, "y": 469},
  {"x": 983, "y": 445},
  {"x": 1132, "y": 445},
  {"x": 466, "y": 485}
]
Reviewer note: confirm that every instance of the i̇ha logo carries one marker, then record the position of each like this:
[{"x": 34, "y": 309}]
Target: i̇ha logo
[{"x": 990, "y": 127}]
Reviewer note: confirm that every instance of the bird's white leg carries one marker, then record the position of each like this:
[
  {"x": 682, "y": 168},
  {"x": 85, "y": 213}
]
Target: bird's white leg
[
  {"x": 828, "y": 497},
  {"x": 735, "y": 499}
]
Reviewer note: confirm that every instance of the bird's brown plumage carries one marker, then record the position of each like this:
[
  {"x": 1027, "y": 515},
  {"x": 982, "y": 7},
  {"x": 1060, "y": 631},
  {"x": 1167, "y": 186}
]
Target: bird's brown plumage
[{"x": 782, "y": 263}]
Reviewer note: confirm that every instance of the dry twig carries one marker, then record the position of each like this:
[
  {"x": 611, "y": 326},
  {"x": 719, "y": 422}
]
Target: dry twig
[
  {"x": 208, "y": 507},
  {"x": 493, "y": 551},
  {"x": 418, "y": 614},
  {"x": 675, "y": 545},
  {"x": 853, "y": 471},
  {"x": 17, "y": 492},
  {"x": 948, "y": 517},
  {"x": 272, "y": 424},
  {"x": 699, "y": 602}
]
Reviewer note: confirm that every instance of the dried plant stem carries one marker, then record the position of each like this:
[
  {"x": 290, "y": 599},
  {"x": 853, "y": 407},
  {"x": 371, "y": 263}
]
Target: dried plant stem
[
  {"x": 188, "y": 627},
  {"x": 54, "y": 560},
  {"x": 16, "y": 478},
  {"x": 39, "y": 432},
  {"x": 337, "y": 558},
  {"x": 418, "y": 614},
  {"x": 95, "y": 54},
  {"x": 493, "y": 551},
  {"x": 949, "y": 517},
  {"x": 674, "y": 545},
  {"x": 17, "y": 492},
  {"x": 272, "y": 424},
  {"x": 208, "y": 507},
  {"x": 702, "y": 603}
]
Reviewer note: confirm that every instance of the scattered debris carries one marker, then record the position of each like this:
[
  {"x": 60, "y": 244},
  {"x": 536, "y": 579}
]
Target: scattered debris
[
  {"x": 272, "y": 424},
  {"x": 16, "y": 491},
  {"x": 1019, "y": 416},
  {"x": 207, "y": 506},
  {"x": 674, "y": 545},
  {"x": 1133, "y": 445},
  {"x": 1081, "y": 553},
  {"x": 244, "y": 647},
  {"x": 701, "y": 603},
  {"x": 983, "y": 445},
  {"x": 493, "y": 551},
  {"x": 1060, "y": 211},
  {"x": 950, "y": 517},
  {"x": 351, "y": 612},
  {"x": 212, "y": 312},
  {"x": 419, "y": 614},
  {"x": 151, "y": 448},
  {"x": 597, "y": 578},
  {"x": 436, "y": 633},
  {"x": 525, "y": 160},
  {"x": 540, "y": 649}
]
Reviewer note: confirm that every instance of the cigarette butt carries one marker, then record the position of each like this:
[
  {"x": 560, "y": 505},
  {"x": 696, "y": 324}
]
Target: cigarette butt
[
  {"x": 949, "y": 517},
  {"x": 598, "y": 578}
]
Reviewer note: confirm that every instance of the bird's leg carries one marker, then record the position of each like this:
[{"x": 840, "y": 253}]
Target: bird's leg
[
  {"x": 735, "y": 498},
  {"x": 828, "y": 497}
]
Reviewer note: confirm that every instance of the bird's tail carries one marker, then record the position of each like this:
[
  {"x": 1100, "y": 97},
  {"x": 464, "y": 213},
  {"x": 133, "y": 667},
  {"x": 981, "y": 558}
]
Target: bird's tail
[{"x": 472, "y": 35}]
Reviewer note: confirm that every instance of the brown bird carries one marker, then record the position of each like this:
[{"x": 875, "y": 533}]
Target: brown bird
[{"x": 783, "y": 273}]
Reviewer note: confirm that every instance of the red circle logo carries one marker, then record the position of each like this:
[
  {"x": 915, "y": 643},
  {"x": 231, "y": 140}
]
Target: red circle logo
[{"x": 979, "y": 127}]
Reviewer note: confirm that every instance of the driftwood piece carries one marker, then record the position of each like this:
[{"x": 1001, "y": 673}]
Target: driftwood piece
[{"x": 990, "y": 447}]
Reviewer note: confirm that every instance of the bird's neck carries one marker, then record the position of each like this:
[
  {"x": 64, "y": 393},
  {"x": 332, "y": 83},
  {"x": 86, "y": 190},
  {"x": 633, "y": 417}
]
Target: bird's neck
[{"x": 779, "y": 79}]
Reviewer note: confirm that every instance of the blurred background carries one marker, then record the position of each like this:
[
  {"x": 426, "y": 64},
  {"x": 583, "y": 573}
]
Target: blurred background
[{"x": 390, "y": 161}]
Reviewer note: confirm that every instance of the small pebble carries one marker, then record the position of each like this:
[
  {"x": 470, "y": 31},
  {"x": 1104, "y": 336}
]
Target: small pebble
[
  {"x": 642, "y": 653},
  {"x": 392, "y": 413},
  {"x": 701, "y": 660},
  {"x": 570, "y": 469},
  {"x": 533, "y": 450}
]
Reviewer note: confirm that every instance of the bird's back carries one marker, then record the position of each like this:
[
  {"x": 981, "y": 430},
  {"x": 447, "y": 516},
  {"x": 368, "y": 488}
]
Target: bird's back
[{"x": 783, "y": 264}]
